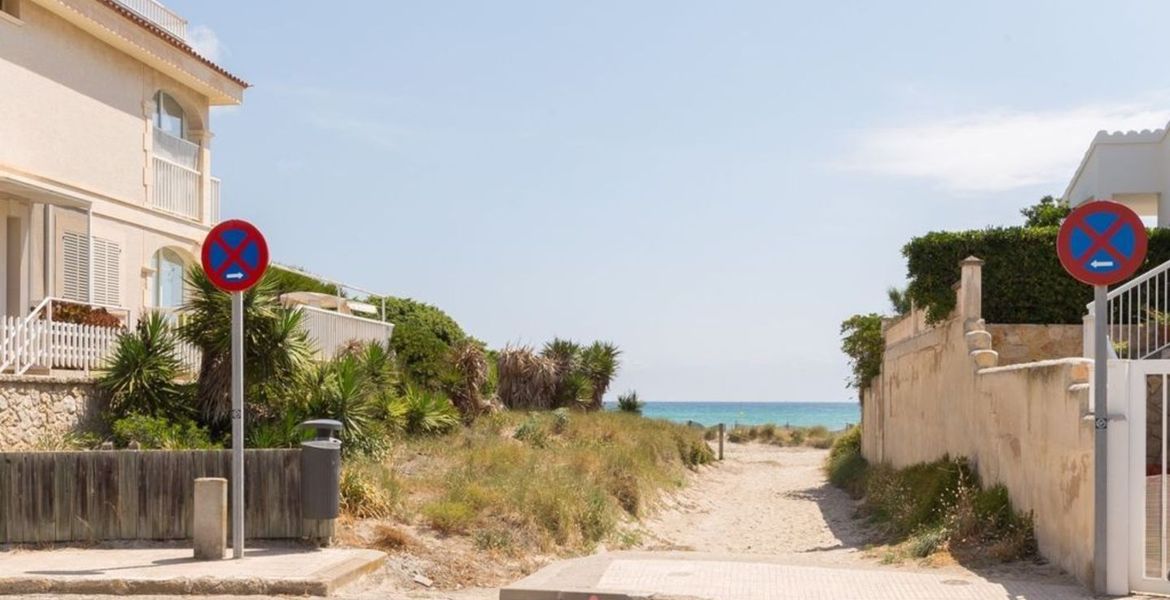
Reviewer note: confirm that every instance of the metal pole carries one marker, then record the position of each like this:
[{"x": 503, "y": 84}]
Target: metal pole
[
  {"x": 1100, "y": 432},
  {"x": 238, "y": 425}
]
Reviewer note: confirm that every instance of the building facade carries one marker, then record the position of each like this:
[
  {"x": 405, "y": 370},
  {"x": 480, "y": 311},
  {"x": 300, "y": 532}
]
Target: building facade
[
  {"x": 106, "y": 186},
  {"x": 1132, "y": 168}
]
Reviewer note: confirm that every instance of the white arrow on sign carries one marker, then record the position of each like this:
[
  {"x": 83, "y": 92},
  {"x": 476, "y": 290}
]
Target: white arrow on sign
[
  {"x": 1097, "y": 264},
  {"x": 241, "y": 275}
]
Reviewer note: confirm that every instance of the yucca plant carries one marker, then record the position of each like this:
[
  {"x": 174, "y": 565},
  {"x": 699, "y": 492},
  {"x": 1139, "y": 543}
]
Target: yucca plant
[
  {"x": 276, "y": 346},
  {"x": 143, "y": 372},
  {"x": 629, "y": 402},
  {"x": 600, "y": 364},
  {"x": 526, "y": 381},
  {"x": 426, "y": 412},
  {"x": 470, "y": 363},
  {"x": 572, "y": 386}
]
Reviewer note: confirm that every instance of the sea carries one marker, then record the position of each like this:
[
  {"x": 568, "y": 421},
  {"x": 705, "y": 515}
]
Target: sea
[{"x": 833, "y": 415}]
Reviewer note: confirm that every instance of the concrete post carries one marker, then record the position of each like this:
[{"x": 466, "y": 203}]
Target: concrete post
[
  {"x": 1088, "y": 328},
  {"x": 210, "y": 526},
  {"x": 971, "y": 289},
  {"x": 721, "y": 441}
]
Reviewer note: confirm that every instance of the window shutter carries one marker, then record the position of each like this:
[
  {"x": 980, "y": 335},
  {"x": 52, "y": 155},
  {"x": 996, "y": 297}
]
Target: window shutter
[
  {"x": 74, "y": 267},
  {"x": 106, "y": 270}
]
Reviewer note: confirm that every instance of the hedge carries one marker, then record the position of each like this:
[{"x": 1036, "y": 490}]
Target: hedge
[{"x": 1023, "y": 281}]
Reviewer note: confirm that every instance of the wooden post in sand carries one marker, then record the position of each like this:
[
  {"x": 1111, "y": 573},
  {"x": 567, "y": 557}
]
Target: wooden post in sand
[{"x": 721, "y": 441}]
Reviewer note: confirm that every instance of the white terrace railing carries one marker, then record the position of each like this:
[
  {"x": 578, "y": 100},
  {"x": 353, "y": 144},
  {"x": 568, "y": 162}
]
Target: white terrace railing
[
  {"x": 331, "y": 331},
  {"x": 1139, "y": 317},
  {"x": 176, "y": 188},
  {"x": 214, "y": 196},
  {"x": 156, "y": 13}
]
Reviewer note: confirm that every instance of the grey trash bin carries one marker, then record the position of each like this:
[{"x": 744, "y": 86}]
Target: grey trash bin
[{"x": 321, "y": 471}]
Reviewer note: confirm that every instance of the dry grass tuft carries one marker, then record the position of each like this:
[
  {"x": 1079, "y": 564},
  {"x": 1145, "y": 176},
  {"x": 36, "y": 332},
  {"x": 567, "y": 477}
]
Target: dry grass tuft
[{"x": 389, "y": 537}]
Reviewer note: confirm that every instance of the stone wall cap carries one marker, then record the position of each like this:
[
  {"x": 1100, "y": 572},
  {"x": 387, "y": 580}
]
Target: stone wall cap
[
  {"x": 971, "y": 260},
  {"x": 55, "y": 378}
]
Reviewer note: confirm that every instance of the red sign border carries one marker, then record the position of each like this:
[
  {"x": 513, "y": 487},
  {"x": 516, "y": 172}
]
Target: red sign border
[
  {"x": 1076, "y": 219},
  {"x": 250, "y": 233}
]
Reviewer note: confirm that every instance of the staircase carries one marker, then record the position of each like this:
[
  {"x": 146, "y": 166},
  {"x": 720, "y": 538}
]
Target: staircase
[{"x": 1139, "y": 317}]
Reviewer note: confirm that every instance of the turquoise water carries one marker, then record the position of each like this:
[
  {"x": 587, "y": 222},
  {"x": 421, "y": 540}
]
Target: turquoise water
[{"x": 834, "y": 415}]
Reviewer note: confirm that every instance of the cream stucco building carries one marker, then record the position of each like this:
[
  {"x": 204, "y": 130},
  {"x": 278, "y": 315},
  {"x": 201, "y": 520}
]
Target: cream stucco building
[{"x": 106, "y": 186}]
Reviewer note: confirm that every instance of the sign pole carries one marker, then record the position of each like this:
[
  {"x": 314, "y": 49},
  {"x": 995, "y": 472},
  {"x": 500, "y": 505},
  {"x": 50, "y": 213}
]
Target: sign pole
[
  {"x": 1100, "y": 432},
  {"x": 237, "y": 425}
]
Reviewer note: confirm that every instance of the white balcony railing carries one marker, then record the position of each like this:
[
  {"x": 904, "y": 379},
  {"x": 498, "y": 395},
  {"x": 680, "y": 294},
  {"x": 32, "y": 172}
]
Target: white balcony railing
[
  {"x": 176, "y": 189},
  {"x": 214, "y": 198},
  {"x": 175, "y": 149},
  {"x": 156, "y": 13},
  {"x": 330, "y": 331}
]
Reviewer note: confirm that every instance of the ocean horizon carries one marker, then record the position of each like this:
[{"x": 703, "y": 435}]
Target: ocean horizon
[{"x": 833, "y": 415}]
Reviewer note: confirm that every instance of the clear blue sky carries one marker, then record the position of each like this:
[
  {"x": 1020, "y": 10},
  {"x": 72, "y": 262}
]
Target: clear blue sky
[{"x": 714, "y": 186}]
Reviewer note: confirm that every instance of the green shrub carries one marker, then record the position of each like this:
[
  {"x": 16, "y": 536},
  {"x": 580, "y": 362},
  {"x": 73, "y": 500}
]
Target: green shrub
[
  {"x": 1022, "y": 276},
  {"x": 846, "y": 467},
  {"x": 862, "y": 341},
  {"x": 560, "y": 420},
  {"x": 143, "y": 371},
  {"x": 532, "y": 431},
  {"x": 424, "y": 412},
  {"x": 449, "y": 516},
  {"x": 157, "y": 433},
  {"x": 368, "y": 490},
  {"x": 629, "y": 402}
]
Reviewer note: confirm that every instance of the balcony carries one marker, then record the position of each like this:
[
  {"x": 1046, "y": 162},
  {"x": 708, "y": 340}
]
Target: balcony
[
  {"x": 178, "y": 180},
  {"x": 156, "y": 13}
]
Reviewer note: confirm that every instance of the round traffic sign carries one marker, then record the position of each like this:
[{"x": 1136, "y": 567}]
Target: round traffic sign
[
  {"x": 235, "y": 255},
  {"x": 1102, "y": 243}
]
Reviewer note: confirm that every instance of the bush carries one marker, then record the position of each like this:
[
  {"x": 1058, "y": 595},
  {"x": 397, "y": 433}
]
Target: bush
[
  {"x": 423, "y": 412},
  {"x": 157, "y": 433},
  {"x": 368, "y": 490},
  {"x": 532, "y": 432},
  {"x": 82, "y": 314},
  {"x": 629, "y": 402},
  {"x": 1022, "y": 274},
  {"x": 846, "y": 467},
  {"x": 143, "y": 371},
  {"x": 862, "y": 341}
]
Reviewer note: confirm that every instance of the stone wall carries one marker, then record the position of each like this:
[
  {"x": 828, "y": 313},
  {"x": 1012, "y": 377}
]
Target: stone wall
[
  {"x": 36, "y": 411},
  {"x": 1018, "y": 343},
  {"x": 943, "y": 393}
]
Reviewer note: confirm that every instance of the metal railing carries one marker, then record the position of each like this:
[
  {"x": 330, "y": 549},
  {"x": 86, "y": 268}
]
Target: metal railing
[
  {"x": 213, "y": 197},
  {"x": 331, "y": 331},
  {"x": 176, "y": 149},
  {"x": 156, "y": 13},
  {"x": 176, "y": 189},
  {"x": 1139, "y": 316}
]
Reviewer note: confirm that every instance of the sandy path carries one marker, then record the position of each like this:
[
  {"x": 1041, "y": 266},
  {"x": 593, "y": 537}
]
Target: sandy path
[{"x": 761, "y": 500}]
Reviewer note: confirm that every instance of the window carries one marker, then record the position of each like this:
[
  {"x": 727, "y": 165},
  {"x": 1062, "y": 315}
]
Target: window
[
  {"x": 106, "y": 271},
  {"x": 11, "y": 7},
  {"x": 167, "y": 291},
  {"x": 169, "y": 116}
]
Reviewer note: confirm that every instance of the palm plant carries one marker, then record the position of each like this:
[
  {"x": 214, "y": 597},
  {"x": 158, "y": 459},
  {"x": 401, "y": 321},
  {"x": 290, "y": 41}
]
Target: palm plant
[
  {"x": 571, "y": 387},
  {"x": 426, "y": 412},
  {"x": 470, "y": 363},
  {"x": 276, "y": 346},
  {"x": 143, "y": 372},
  {"x": 600, "y": 364},
  {"x": 339, "y": 390},
  {"x": 527, "y": 381}
]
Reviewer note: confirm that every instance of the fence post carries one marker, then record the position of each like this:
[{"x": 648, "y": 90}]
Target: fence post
[{"x": 721, "y": 441}]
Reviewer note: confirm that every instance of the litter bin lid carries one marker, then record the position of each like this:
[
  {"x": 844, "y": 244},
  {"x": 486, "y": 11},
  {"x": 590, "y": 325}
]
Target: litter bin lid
[
  {"x": 322, "y": 444},
  {"x": 323, "y": 424}
]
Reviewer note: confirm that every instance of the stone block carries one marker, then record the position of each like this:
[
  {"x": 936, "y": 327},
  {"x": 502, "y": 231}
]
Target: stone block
[
  {"x": 210, "y": 521},
  {"x": 985, "y": 358},
  {"x": 978, "y": 340}
]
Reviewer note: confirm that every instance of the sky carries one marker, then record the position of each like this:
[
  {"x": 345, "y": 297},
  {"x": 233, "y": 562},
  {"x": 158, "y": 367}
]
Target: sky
[{"x": 713, "y": 186}]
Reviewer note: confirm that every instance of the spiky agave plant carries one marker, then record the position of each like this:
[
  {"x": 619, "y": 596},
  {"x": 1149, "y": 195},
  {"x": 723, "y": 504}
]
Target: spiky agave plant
[{"x": 600, "y": 363}]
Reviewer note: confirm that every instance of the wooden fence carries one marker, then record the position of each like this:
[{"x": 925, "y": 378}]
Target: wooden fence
[{"x": 147, "y": 495}]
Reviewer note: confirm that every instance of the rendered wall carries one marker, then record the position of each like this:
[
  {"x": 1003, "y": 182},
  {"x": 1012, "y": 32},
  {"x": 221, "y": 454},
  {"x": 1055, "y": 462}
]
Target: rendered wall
[{"x": 940, "y": 393}]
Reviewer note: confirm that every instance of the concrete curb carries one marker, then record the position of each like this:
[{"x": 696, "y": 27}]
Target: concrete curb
[{"x": 322, "y": 583}]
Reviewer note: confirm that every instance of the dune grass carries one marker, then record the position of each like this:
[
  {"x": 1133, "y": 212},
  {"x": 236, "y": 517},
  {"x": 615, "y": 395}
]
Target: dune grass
[{"x": 544, "y": 481}]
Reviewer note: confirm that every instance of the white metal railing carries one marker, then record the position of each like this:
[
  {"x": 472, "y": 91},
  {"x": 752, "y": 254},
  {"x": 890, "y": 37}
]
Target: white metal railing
[
  {"x": 1139, "y": 316},
  {"x": 160, "y": 15},
  {"x": 213, "y": 197},
  {"x": 176, "y": 189},
  {"x": 331, "y": 331},
  {"x": 176, "y": 149}
]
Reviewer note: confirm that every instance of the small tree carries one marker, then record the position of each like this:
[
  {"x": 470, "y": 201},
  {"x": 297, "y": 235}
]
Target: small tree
[
  {"x": 600, "y": 363},
  {"x": 899, "y": 300},
  {"x": 1048, "y": 212},
  {"x": 862, "y": 342}
]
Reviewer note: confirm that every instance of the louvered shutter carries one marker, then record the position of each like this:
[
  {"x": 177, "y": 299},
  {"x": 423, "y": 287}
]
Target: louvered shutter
[{"x": 73, "y": 267}]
